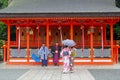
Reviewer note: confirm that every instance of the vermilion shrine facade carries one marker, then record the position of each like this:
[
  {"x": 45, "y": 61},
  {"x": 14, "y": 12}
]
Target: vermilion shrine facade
[{"x": 87, "y": 29}]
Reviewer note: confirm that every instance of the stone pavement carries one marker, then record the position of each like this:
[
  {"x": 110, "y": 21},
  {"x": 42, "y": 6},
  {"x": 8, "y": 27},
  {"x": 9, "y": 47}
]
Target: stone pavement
[{"x": 36, "y": 72}]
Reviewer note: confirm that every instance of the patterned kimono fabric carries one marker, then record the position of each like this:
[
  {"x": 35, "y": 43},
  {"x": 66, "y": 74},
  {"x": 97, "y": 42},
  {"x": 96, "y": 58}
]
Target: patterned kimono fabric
[
  {"x": 72, "y": 56},
  {"x": 56, "y": 58},
  {"x": 66, "y": 61}
]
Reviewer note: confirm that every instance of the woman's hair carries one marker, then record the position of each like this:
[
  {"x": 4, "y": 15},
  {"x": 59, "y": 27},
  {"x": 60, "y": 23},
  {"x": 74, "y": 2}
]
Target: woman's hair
[{"x": 65, "y": 46}]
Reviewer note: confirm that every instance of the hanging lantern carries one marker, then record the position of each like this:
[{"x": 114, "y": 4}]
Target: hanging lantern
[
  {"x": 88, "y": 32},
  {"x": 60, "y": 33},
  {"x": 59, "y": 27},
  {"x": 31, "y": 32},
  {"x": 27, "y": 30},
  {"x": 92, "y": 30},
  {"x": 36, "y": 27},
  {"x": 49, "y": 33},
  {"x": 18, "y": 28}
]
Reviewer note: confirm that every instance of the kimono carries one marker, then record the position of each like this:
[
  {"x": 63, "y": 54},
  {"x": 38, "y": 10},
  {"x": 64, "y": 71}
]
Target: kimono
[
  {"x": 65, "y": 53},
  {"x": 55, "y": 50},
  {"x": 72, "y": 56},
  {"x": 43, "y": 54}
]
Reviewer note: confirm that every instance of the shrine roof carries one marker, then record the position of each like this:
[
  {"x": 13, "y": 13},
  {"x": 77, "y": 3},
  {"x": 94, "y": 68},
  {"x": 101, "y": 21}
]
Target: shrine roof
[{"x": 47, "y": 7}]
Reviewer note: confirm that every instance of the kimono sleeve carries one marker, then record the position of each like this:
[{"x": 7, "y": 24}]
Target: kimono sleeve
[
  {"x": 61, "y": 53},
  {"x": 40, "y": 51},
  {"x": 47, "y": 51}
]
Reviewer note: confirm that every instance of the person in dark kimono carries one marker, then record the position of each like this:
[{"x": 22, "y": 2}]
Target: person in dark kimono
[
  {"x": 55, "y": 50},
  {"x": 44, "y": 54}
]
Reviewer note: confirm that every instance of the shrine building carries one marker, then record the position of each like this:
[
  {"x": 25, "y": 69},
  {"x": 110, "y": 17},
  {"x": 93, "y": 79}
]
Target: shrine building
[{"x": 49, "y": 21}]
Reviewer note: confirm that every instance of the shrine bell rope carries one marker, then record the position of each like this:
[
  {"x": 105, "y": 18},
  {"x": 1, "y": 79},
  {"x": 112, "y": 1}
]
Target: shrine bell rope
[
  {"x": 61, "y": 37},
  {"x": 38, "y": 37},
  {"x": 102, "y": 39},
  {"x": 82, "y": 38},
  {"x": 18, "y": 39}
]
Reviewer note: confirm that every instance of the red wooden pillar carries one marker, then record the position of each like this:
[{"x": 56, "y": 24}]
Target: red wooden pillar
[
  {"x": 28, "y": 44},
  {"x": 47, "y": 34},
  {"x": 117, "y": 56},
  {"x": 4, "y": 47},
  {"x": 8, "y": 42},
  {"x": 111, "y": 40},
  {"x": 91, "y": 43},
  {"x": 71, "y": 30}
]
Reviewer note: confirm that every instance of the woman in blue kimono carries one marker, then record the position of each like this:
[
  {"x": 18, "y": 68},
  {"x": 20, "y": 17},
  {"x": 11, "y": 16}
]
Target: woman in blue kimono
[{"x": 44, "y": 54}]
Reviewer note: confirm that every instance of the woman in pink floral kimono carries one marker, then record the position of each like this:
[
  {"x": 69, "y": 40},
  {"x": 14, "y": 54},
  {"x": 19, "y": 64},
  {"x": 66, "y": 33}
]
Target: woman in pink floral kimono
[{"x": 65, "y": 53}]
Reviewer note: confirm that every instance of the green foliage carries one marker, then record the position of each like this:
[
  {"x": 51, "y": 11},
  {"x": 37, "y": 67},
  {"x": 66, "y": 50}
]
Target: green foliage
[
  {"x": 1, "y": 53},
  {"x": 117, "y": 31},
  {"x": 13, "y": 33},
  {"x": 1, "y": 43},
  {"x": 3, "y": 31},
  {"x": 117, "y": 3},
  {"x": 3, "y": 4},
  {"x": 108, "y": 32},
  {"x": 3, "y": 28}
]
